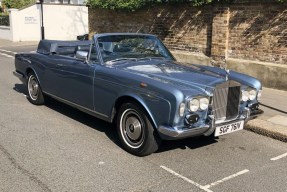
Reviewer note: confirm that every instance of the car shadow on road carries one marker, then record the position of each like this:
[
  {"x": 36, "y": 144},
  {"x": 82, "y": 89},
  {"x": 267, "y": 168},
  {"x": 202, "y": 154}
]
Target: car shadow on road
[
  {"x": 184, "y": 144},
  {"x": 20, "y": 88},
  {"x": 73, "y": 113},
  {"x": 110, "y": 130},
  {"x": 84, "y": 118}
]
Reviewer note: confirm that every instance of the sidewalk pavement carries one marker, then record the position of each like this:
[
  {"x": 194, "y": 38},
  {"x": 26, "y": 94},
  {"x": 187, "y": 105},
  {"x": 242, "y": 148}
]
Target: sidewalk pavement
[
  {"x": 5, "y": 43},
  {"x": 273, "y": 123}
]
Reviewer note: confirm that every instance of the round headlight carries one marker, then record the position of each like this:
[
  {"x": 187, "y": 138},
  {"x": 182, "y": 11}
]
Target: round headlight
[
  {"x": 245, "y": 96},
  {"x": 259, "y": 94},
  {"x": 203, "y": 103},
  {"x": 193, "y": 105},
  {"x": 252, "y": 94}
]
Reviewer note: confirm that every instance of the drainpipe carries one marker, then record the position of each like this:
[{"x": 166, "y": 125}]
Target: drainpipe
[{"x": 42, "y": 19}]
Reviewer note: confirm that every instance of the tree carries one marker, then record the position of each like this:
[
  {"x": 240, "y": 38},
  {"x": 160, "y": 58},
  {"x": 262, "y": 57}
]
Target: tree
[
  {"x": 17, "y": 4},
  {"x": 132, "y": 5}
]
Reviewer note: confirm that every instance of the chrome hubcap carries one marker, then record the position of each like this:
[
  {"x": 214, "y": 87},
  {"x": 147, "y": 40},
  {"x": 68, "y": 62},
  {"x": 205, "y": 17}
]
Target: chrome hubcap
[
  {"x": 132, "y": 128},
  {"x": 33, "y": 87}
]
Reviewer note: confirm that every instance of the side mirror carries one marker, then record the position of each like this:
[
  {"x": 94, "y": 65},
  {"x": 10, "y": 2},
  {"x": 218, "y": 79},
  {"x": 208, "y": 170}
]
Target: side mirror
[{"x": 82, "y": 55}]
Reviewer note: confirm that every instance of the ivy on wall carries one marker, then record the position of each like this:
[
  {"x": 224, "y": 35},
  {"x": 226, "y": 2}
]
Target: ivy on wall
[{"x": 132, "y": 5}]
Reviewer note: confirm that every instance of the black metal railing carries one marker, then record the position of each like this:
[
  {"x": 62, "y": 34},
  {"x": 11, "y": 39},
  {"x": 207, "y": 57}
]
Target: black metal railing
[{"x": 4, "y": 20}]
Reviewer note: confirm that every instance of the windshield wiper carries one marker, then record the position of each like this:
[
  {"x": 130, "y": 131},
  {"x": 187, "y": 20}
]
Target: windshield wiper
[{"x": 120, "y": 59}]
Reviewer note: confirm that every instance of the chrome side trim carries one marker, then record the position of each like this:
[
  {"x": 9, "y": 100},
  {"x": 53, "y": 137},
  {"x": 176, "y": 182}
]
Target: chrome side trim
[{"x": 81, "y": 108}]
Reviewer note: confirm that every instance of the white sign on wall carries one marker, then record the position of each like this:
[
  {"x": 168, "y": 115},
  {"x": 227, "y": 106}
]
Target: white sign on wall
[{"x": 30, "y": 20}]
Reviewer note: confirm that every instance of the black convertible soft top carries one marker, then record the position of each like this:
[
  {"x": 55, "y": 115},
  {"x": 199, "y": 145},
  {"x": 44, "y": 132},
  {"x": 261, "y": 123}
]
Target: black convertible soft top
[{"x": 48, "y": 47}]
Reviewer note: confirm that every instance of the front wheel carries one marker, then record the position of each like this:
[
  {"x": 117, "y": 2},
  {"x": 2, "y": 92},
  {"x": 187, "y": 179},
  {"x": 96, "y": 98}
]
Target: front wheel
[
  {"x": 35, "y": 94},
  {"x": 135, "y": 130}
]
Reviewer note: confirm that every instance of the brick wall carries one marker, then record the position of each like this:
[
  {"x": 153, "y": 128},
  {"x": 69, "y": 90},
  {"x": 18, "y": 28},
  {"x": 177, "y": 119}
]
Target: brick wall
[
  {"x": 253, "y": 31},
  {"x": 258, "y": 32}
]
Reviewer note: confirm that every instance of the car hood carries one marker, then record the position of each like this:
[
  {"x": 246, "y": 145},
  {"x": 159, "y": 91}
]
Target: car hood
[{"x": 174, "y": 73}]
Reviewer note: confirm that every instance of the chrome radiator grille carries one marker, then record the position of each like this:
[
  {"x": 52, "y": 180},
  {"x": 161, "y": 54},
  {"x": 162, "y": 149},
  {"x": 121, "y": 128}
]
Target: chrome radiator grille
[{"x": 226, "y": 98}]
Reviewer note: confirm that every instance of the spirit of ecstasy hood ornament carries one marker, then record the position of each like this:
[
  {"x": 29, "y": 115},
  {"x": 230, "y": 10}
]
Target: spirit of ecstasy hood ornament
[{"x": 227, "y": 71}]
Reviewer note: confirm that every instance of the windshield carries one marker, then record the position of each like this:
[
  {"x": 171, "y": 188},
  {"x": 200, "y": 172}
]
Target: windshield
[{"x": 132, "y": 47}]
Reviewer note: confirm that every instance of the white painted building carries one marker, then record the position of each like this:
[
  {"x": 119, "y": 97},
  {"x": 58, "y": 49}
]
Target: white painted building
[{"x": 61, "y": 22}]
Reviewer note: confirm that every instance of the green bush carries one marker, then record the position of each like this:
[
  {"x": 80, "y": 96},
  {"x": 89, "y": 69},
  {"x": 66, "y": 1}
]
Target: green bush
[
  {"x": 132, "y": 5},
  {"x": 17, "y": 4}
]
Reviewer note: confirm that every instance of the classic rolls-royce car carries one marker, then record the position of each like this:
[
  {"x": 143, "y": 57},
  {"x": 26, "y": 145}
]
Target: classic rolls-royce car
[{"x": 133, "y": 80}]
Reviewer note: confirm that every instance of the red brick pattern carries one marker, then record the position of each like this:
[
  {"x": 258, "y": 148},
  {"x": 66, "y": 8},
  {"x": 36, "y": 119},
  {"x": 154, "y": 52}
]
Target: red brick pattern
[
  {"x": 258, "y": 32},
  {"x": 252, "y": 31}
]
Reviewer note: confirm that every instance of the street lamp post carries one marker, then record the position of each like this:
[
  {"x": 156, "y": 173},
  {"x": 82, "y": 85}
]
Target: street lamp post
[{"x": 42, "y": 20}]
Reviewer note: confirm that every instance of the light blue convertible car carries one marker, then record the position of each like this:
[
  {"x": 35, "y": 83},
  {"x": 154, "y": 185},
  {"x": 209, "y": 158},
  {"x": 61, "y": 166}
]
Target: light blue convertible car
[{"x": 134, "y": 81}]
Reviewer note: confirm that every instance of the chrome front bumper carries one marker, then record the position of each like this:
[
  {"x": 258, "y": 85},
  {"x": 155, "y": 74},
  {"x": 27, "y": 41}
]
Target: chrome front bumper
[{"x": 172, "y": 133}]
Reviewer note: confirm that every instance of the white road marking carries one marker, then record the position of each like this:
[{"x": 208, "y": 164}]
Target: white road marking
[
  {"x": 8, "y": 51},
  {"x": 6, "y": 55},
  {"x": 226, "y": 178},
  {"x": 186, "y": 179},
  {"x": 206, "y": 187},
  {"x": 278, "y": 157}
]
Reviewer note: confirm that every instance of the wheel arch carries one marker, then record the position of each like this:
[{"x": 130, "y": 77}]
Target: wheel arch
[
  {"x": 132, "y": 98},
  {"x": 29, "y": 70}
]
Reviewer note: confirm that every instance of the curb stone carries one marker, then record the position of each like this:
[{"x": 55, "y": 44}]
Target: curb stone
[{"x": 268, "y": 129}]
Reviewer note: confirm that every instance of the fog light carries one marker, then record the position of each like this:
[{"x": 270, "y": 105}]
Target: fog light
[
  {"x": 254, "y": 106},
  {"x": 190, "y": 119}
]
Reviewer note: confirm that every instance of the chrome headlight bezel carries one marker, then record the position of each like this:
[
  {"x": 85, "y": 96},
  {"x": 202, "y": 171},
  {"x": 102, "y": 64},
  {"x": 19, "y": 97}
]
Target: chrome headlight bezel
[
  {"x": 198, "y": 104},
  {"x": 252, "y": 94},
  {"x": 203, "y": 103},
  {"x": 193, "y": 105},
  {"x": 244, "y": 95},
  {"x": 248, "y": 94}
]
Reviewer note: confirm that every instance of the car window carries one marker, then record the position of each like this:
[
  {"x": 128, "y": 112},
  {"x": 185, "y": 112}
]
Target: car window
[{"x": 121, "y": 47}]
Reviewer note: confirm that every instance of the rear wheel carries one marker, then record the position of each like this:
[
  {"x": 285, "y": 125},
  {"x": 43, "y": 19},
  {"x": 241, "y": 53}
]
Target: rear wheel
[
  {"x": 135, "y": 130},
  {"x": 35, "y": 94}
]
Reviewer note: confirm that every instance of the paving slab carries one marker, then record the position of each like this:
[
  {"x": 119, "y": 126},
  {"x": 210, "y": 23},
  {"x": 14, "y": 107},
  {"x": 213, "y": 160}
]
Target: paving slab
[{"x": 278, "y": 119}]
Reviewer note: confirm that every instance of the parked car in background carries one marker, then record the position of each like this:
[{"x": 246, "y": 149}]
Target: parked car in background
[{"x": 134, "y": 81}]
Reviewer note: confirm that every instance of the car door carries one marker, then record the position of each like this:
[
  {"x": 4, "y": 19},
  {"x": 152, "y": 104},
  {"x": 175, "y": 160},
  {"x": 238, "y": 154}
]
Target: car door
[{"x": 71, "y": 79}]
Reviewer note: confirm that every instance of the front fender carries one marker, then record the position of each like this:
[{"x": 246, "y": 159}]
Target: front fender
[{"x": 158, "y": 109}]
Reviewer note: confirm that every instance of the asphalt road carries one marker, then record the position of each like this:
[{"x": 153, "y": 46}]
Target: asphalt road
[{"x": 57, "y": 148}]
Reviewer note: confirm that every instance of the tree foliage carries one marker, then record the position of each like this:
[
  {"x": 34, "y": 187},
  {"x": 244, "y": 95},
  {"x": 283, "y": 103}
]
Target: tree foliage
[
  {"x": 136, "y": 4},
  {"x": 17, "y": 4}
]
